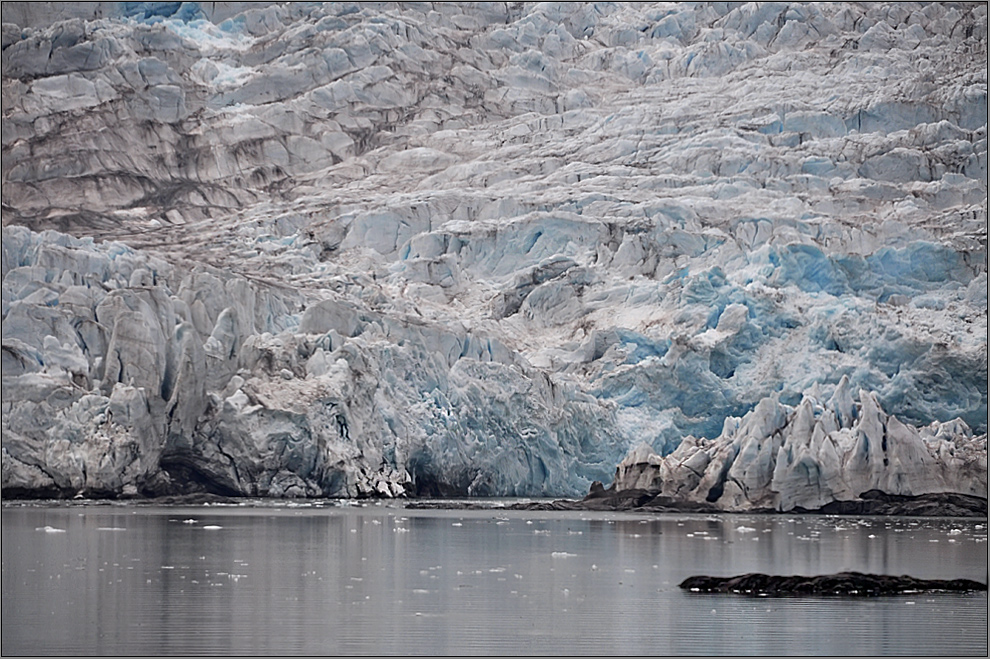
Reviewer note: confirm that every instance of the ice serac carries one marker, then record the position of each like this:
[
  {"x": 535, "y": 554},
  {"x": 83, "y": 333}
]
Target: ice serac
[
  {"x": 375, "y": 249},
  {"x": 785, "y": 458}
]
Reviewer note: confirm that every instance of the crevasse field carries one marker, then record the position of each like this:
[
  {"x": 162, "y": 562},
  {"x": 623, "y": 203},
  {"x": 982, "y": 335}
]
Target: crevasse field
[{"x": 489, "y": 249}]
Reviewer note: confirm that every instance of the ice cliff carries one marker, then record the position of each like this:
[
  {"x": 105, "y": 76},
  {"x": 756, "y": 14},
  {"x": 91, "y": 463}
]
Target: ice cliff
[
  {"x": 339, "y": 249},
  {"x": 781, "y": 458}
]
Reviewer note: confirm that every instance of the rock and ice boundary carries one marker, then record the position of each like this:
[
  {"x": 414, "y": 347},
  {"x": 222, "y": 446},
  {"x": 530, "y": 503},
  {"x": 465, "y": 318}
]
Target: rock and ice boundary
[{"x": 481, "y": 249}]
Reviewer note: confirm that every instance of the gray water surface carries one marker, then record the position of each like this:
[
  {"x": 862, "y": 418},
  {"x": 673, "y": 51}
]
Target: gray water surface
[{"x": 378, "y": 579}]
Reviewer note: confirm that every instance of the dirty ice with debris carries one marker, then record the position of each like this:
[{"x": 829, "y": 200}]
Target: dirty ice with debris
[{"x": 340, "y": 249}]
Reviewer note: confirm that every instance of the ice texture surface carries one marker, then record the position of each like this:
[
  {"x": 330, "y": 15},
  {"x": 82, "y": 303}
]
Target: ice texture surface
[
  {"x": 343, "y": 249},
  {"x": 781, "y": 458}
]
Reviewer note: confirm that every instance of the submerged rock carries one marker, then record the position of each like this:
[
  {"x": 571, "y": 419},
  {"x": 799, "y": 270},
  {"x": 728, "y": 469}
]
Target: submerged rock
[{"x": 849, "y": 584}]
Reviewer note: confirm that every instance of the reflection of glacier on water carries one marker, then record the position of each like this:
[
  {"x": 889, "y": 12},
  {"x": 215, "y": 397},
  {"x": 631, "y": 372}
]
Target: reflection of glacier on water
[{"x": 278, "y": 579}]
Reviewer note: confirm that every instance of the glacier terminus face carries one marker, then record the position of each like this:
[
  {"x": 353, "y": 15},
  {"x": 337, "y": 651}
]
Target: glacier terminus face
[{"x": 495, "y": 249}]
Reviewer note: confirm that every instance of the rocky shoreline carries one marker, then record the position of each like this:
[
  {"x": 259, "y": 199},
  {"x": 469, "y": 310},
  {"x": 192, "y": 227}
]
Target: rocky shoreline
[
  {"x": 599, "y": 500},
  {"x": 873, "y": 502},
  {"x": 642, "y": 501}
]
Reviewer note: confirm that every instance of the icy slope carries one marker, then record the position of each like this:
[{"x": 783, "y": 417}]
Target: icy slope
[{"x": 479, "y": 248}]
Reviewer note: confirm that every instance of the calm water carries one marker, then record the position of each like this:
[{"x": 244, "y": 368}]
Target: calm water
[{"x": 376, "y": 579}]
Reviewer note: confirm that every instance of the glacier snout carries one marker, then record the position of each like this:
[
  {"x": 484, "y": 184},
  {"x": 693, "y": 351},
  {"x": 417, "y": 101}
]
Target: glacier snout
[{"x": 784, "y": 458}]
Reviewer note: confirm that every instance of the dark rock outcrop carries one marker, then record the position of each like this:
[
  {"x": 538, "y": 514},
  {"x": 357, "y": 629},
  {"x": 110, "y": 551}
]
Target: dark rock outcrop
[
  {"x": 854, "y": 584},
  {"x": 876, "y": 502}
]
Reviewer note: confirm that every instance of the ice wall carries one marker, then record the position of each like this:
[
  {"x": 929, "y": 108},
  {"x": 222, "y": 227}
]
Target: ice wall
[
  {"x": 478, "y": 248},
  {"x": 782, "y": 458}
]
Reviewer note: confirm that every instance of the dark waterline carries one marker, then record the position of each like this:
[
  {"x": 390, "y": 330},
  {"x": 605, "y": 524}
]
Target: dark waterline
[{"x": 381, "y": 580}]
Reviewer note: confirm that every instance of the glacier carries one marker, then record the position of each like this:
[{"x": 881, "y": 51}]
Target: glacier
[
  {"x": 494, "y": 249},
  {"x": 783, "y": 458}
]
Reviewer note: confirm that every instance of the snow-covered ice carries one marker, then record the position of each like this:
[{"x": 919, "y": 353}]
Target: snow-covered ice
[{"x": 345, "y": 249}]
